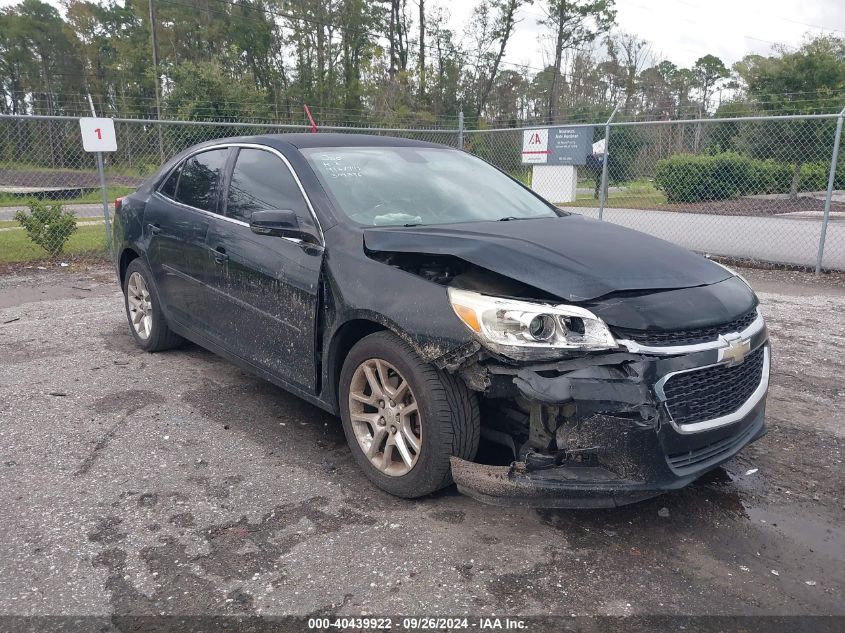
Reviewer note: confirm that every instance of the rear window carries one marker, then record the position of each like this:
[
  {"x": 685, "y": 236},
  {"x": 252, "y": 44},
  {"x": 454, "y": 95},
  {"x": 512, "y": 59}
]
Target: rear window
[{"x": 200, "y": 178}]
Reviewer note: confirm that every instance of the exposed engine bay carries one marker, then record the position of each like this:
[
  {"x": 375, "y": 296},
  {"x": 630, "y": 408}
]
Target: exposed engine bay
[{"x": 447, "y": 270}]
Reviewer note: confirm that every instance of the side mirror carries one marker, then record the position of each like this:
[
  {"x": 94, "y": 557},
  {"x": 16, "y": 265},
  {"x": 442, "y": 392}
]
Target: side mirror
[{"x": 279, "y": 223}]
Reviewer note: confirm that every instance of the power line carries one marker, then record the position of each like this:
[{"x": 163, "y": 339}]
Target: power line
[{"x": 777, "y": 17}]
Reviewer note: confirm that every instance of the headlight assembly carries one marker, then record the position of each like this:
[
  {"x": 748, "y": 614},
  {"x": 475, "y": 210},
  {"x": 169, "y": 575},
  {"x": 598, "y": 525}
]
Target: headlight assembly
[{"x": 529, "y": 330}]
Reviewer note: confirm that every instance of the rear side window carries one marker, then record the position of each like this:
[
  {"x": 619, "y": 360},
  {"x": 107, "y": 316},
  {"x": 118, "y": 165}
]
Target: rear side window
[
  {"x": 199, "y": 179},
  {"x": 261, "y": 181},
  {"x": 169, "y": 186}
]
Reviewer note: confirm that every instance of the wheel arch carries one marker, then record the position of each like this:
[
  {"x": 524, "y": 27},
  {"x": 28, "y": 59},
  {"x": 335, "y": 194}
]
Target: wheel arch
[
  {"x": 343, "y": 340},
  {"x": 126, "y": 256}
]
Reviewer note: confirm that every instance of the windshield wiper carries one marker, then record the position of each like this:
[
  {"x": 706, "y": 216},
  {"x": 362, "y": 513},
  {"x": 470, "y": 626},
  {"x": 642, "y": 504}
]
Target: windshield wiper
[{"x": 508, "y": 218}]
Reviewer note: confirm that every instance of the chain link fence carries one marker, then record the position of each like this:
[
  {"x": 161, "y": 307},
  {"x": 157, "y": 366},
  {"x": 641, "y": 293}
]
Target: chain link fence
[
  {"x": 51, "y": 205},
  {"x": 753, "y": 189}
]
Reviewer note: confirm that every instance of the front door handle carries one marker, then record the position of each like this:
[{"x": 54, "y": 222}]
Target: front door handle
[
  {"x": 220, "y": 255},
  {"x": 155, "y": 229}
]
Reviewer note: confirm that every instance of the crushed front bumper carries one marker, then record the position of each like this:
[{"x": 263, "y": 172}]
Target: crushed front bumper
[
  {"x": 601, "y": 486},
  {"x": 620, "y": 415}
]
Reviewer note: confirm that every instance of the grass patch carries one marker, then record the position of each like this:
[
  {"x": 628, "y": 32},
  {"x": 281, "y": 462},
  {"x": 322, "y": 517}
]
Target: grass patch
[
  {"x": 142, "y": 170},
  {"x": 12, "y": 224},
  {"x": 15, "y": 246},
  {"x": 635, "y": 194},
  {"x": 621, "y": 200},
  {"x": 7, "y": 200}
]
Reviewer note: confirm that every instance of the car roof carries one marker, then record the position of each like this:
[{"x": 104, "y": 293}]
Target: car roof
[{"x": 327, "y": 139}]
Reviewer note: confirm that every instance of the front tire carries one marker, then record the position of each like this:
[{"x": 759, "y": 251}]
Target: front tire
[
  {"x": 143, "y": 309},
  {"x": 403, "y": 418}
]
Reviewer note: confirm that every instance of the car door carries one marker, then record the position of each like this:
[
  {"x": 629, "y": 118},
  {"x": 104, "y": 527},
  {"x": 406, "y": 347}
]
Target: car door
[
  {"x": 267, "y": 286},
  {"x": 176, "y": 219}
]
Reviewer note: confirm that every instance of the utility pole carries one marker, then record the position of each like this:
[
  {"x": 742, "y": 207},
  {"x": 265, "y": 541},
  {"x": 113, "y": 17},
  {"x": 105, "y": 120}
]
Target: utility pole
[
  {"x": 422, "y": 49},
  {"x": 394, "y": 6},
  {"x": 153, "y": 23}
]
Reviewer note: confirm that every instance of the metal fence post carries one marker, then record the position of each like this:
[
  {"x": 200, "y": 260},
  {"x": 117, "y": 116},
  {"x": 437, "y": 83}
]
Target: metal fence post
[
  {"x": 105, "y": 200},
  {"x": 834, "y": 158},
  {"x": 603, "y": 190},
  {"x": 102, "y": 173},
  {"x": 461, "y": 129}
]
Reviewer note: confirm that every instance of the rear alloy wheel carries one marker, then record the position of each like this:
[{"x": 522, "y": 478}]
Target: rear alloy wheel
[
  {"x": 139, "y": 305},
  {"x": 143, "y": 309},
  {"x": 404, "y": 418}
]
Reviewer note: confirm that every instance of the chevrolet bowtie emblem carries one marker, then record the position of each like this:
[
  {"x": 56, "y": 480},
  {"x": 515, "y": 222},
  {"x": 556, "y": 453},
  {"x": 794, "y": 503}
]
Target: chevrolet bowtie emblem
[{"x": 736, "y": 351}]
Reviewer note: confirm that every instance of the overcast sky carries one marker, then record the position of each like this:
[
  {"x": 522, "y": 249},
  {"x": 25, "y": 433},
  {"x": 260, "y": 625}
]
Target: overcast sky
[
  {"x": 679, "y": 30},
  {"x": 684, "y": 30}
]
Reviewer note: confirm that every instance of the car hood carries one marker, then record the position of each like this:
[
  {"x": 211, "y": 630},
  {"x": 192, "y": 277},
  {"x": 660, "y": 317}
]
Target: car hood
[{"x": 571, "y": 257}]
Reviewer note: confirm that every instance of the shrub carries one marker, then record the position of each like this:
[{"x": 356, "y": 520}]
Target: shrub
[
  {"x": 688, "y": 178},
  {"x": 814, "y": 177},
  {"x": 769, "y": 176},
  {"x": 49, "y": 226}
]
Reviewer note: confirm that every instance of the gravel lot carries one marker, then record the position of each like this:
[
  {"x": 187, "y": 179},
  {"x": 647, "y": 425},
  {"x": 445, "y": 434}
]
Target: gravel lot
[{"x": 175, "y": 483}]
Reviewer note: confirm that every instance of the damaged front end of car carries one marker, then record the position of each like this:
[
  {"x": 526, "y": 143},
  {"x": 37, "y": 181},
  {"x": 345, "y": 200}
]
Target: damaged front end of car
[
  {"x": 614, "y": 428},
  {"x": 604, "y": 401}
]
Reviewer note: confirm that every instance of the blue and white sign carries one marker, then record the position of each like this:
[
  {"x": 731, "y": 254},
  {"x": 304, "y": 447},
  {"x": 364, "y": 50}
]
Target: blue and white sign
[{"x": 557, "y": 146}]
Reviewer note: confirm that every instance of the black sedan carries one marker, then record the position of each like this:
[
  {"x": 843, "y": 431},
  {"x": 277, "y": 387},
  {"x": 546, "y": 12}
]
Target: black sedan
[{"x": 435, "y": 303}]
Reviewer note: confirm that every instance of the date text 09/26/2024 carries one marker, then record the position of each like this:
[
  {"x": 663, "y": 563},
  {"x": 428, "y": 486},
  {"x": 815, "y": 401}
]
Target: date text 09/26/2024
[{"x": 416, "y": 623}]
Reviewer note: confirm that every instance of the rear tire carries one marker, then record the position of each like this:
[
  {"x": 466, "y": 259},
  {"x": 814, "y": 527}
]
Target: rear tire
[
  {"x": 143, "y": 309},
  {"x": 446, "y": 420}
]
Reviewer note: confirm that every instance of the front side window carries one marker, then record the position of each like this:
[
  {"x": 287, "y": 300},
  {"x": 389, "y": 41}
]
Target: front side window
[
  {"x": 383, "y": 186},
  {"x": 199, "y": 179},
  {"x": 261, "y": 181}
]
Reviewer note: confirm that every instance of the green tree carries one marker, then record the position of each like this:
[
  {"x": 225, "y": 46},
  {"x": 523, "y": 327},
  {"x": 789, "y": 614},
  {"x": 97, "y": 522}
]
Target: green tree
[
  {"x": 805, "y": 81},
  {"x": 16, "y": 63},
  {"x": 574, "y": 23},
  {"x": 203, "y": 91},
  {"x": 38, "y": 54},
  {"x": 723, "y": 137},
  {"x": 501, "y": 29},
  {"x": 708, "y": 71}
]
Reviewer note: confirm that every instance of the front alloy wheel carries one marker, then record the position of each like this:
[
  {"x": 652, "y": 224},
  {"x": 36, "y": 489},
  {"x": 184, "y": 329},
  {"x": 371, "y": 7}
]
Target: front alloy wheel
[
  {"x": 403, "y": 418},
  {"x": 385, "y": 417}
]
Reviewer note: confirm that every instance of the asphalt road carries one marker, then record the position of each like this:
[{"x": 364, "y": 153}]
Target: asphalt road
[
  {"x": 175, "y": 483},
  {"x": 769, "y": 238}
]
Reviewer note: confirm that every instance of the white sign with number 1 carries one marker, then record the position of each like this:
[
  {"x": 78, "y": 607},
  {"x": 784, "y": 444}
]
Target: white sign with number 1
[{"x": 98, "y": 134}]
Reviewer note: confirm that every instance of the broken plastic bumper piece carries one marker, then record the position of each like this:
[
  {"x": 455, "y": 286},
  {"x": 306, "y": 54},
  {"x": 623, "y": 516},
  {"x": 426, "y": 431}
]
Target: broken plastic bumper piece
[{"x": 642, "y": 464}]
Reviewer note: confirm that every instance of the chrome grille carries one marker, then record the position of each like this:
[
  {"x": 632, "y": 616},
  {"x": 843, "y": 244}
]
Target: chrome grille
[{"x": 712, "y": 392}]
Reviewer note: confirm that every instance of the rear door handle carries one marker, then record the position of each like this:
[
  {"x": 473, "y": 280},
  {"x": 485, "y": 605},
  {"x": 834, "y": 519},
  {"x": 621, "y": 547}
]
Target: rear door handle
[
  {"x": 220, "y": 255},
  {"x": 155, "y": 229}
]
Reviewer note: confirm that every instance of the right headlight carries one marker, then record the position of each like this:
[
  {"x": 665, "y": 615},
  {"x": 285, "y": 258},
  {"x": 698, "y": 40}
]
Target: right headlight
[{"x": 529, "y": 330}]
